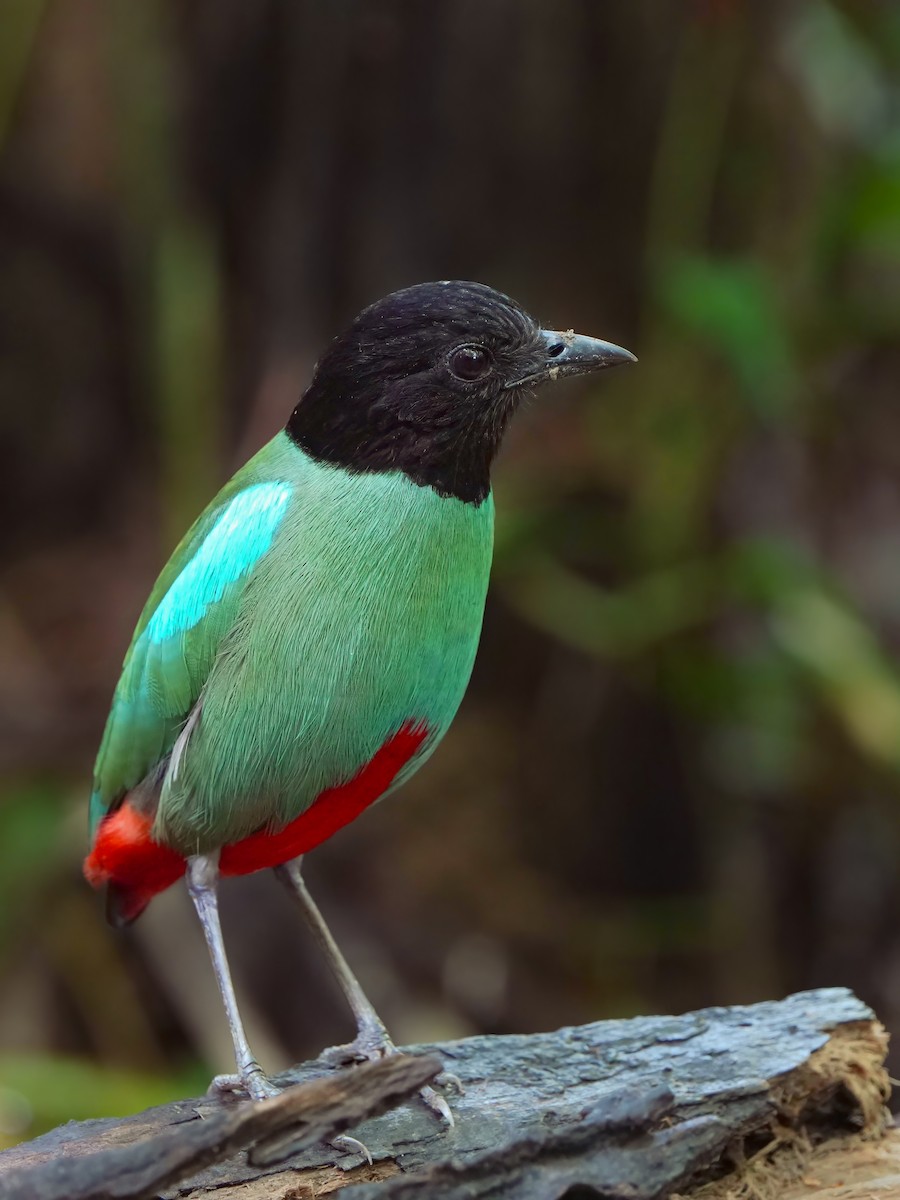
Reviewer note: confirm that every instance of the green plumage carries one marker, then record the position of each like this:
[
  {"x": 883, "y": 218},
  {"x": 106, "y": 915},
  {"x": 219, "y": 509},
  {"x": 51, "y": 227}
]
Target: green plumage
[{"x": 363, "y": 613}]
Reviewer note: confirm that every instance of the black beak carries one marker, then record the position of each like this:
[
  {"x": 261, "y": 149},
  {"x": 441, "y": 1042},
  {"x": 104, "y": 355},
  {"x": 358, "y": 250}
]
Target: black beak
[{"x": 572, "y": 353}]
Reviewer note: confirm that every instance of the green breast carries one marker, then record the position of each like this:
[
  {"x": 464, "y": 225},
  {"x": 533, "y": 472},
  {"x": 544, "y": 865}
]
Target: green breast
[{"x": 364, "y": 614}]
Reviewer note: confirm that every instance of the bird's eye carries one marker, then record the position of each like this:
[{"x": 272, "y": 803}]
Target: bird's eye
[{"x": 470, "y": 363}]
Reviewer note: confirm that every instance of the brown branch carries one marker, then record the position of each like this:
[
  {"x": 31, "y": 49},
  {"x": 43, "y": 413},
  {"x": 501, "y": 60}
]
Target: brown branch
[
  {"x": 301, "y": 1116},
  {"x": 729, "y": 1098}
]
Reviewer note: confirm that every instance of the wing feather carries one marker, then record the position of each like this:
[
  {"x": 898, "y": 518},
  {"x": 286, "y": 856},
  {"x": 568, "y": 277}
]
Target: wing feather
[{"x": 190, "y": 611}]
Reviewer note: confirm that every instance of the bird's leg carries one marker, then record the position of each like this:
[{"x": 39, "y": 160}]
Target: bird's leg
[
  {"x": 372, "y": 1038},
  {"x": 202, "y": 879}
]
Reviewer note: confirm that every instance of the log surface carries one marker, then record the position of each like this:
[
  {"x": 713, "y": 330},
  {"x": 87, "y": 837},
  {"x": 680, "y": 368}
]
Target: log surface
[{"x": 707, "y": 1104}]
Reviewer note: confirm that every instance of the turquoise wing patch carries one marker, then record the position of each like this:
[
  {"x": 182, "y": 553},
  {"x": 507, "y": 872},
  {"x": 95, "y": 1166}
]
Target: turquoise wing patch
[
  {"x": 190, "y": 611},
  {"x": 239, "y": 538}
]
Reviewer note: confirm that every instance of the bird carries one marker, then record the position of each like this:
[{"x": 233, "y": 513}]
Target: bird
[{"x": 309, "y": 641}]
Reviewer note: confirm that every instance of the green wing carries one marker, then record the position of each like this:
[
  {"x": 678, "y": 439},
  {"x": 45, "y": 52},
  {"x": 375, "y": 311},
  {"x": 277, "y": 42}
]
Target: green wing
[{"x": 190, "y": 611}]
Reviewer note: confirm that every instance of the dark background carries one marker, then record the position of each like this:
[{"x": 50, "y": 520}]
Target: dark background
[{"x": 674, "y": 781}]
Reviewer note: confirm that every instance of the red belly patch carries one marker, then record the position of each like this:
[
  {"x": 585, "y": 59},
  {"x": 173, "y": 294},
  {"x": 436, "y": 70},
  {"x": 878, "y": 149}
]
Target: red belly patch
[
  {"x": 137, "y": 868},
  {"x": 331, "y": 811}
]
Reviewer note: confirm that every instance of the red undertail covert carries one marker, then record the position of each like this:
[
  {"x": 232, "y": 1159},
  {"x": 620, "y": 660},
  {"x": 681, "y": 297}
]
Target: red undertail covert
[{"x": 125, "y": 856}]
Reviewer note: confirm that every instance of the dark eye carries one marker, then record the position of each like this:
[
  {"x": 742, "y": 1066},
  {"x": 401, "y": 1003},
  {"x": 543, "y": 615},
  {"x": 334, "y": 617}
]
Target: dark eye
[{"x": 470, "y": 363}]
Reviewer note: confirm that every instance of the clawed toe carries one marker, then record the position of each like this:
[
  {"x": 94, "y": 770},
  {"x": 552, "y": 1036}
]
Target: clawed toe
[
  {"x": 373, "y": 1045},
  {"x": 254, "y": 1084},
  {"x": 224, "y": 1083},
  {"x": 450, "y": 1082},
  {"x": 363, "y": 1049},
  {"x": 351, "y": 1145},
  {"x": 341, "y": 1056},
  {"x": 438, "y": 1105}
]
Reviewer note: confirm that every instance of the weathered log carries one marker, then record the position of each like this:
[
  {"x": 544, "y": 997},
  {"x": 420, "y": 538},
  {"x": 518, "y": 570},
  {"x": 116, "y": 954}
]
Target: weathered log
[{"x": 726, "y": 1101}]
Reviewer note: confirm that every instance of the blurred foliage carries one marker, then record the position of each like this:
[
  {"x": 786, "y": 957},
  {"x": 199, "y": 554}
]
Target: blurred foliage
[
  {"x": 41, "y": 1092},
  {"x": 675, "y": 779},
  {"x": 29, "y": 828}
]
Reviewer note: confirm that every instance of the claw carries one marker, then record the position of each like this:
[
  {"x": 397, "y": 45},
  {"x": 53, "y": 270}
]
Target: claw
[
  {"x": 438, "y": 1105},
  {"x": 352, "y": 1145}
]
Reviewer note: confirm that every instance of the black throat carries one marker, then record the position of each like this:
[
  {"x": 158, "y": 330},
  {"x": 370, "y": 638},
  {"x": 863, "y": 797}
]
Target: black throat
[{"x": 445, "y": 449}]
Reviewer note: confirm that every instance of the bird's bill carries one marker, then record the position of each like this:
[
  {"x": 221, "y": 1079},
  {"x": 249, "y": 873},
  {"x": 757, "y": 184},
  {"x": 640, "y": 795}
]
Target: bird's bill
[
  {"x": 570, "y": 353},
  {"x": 580, "y": 354}
]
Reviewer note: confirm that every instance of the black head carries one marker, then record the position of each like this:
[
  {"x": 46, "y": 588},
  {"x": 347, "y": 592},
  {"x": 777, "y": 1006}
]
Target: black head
[{"x": 425, "y": 381}]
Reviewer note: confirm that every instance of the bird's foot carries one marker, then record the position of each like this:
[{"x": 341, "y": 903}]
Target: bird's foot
[
  {"x": 373, "y": 1042},
  {"x": 253, "y": 1082},
  {"x": 352, "y": 1145}
]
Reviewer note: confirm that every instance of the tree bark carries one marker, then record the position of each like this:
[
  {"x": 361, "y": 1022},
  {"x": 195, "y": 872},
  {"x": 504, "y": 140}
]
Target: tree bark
[{"x": 722, "y": 1102}]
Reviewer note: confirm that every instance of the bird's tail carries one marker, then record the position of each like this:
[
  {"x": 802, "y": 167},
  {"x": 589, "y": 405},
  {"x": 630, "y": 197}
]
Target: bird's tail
[
  {"x": 124, "y": 904},
  {"x": 130, "y": 863}
]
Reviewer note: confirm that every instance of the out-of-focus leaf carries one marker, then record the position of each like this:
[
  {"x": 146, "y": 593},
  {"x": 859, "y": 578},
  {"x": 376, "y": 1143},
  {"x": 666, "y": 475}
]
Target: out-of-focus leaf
[
  {"x": 38, "y": 1092},
  {"x": 749, "y": 759},
  {"x": 764, "y": 570},
  {"x": 189, "y": 368},
  {"x": 733, "y": 682},
  {"x": 731, "y": 305},
  {"x": 859, "y": 245},
  {"x": 830, "y": 643},
  {"x": 844, "y": 85},
  {"x": 843, "y": 656},
  {"x": 612, "y": 624},
  {"x": 873, "y": 208},
  {"x": 21, "y": 19},
  {"x": 182, "y": 287},
  {"x": 29, "y": 827}
]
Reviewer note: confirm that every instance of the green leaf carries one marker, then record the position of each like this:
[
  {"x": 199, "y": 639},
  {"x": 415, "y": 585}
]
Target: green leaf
[
  {"x": 731, "y": 306},
  {"x": 854, "y": 675},
  {"x": 38, "y": 1092}
]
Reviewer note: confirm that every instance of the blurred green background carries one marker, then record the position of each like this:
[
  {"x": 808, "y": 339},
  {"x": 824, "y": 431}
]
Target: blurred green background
[{"x": 675, "y": 780}]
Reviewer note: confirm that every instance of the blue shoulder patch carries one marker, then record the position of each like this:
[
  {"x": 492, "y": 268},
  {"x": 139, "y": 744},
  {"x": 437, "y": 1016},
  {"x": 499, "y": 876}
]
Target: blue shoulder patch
[{"x": 239, "y": 538}]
